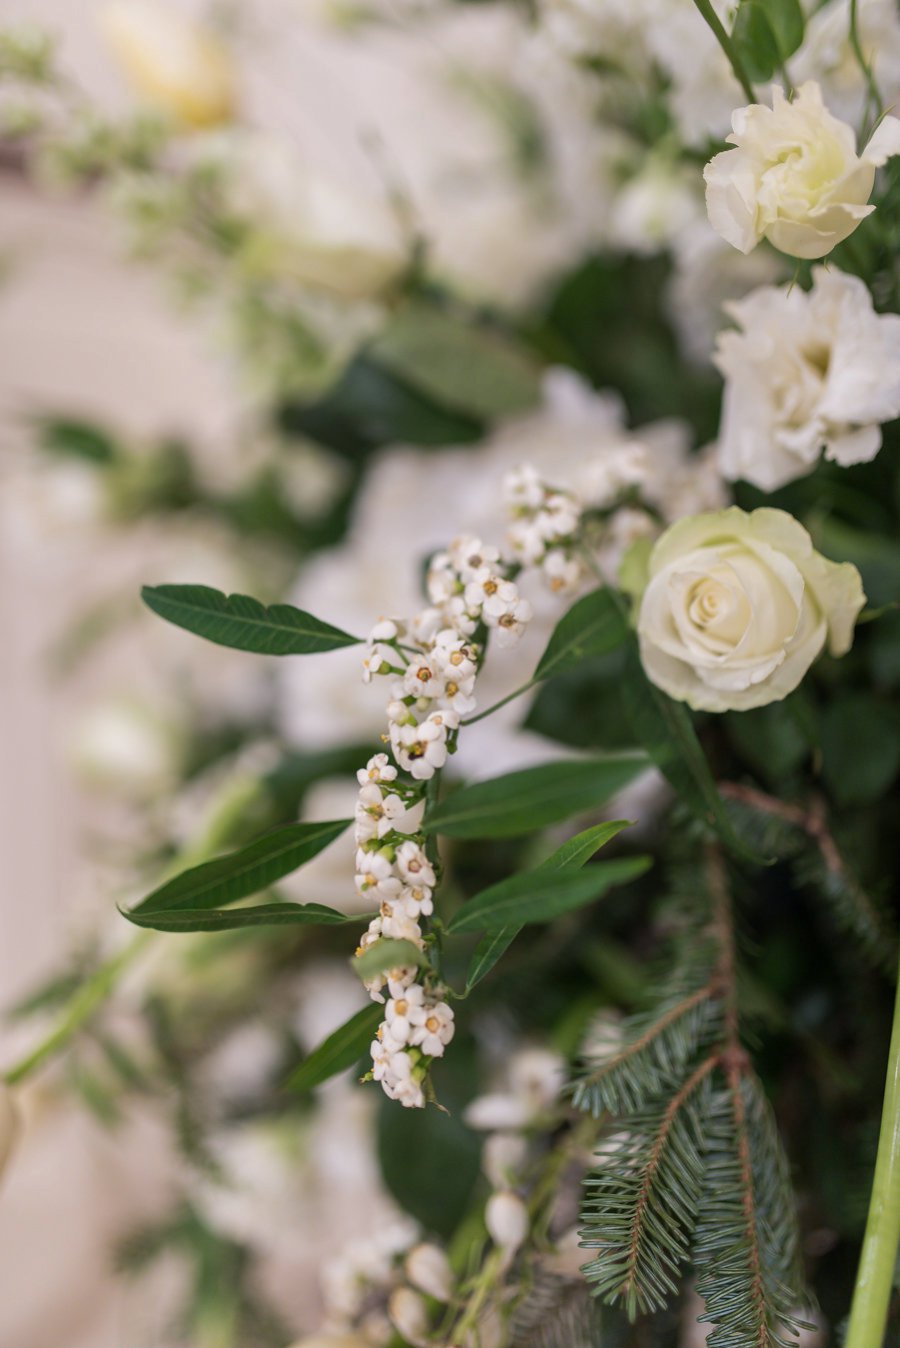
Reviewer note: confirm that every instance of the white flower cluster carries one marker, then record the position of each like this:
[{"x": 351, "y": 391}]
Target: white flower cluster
[
  {"x": 432, "y": 661},
  {"x": 543, "y": 528},
  {"x": 374, "y": 1287}
]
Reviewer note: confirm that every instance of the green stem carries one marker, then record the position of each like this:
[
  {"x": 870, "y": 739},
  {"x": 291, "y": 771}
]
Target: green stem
[
  {"x": 91, "y": 995},
  {"x": 875, "y": 1277},
  {"x": 510, "y": 697},
  {"x": 874, "y": 101},
  {"x": 728, "y": 47}
]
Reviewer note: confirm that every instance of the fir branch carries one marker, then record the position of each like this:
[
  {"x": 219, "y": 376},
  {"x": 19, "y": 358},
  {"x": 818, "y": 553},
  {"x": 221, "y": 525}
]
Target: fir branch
[
  {"x": 557, "y": 1313},
  {"x": 641, "y": 1207},
  {"x": 854, "y": 910},
  {"x": 655, "y": 1052},
  {"x": 745, "y": 1247}
]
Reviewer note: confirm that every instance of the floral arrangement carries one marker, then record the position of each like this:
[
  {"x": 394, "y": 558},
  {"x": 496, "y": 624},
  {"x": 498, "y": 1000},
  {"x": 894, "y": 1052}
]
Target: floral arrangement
[{"x": 615, "y": 844}]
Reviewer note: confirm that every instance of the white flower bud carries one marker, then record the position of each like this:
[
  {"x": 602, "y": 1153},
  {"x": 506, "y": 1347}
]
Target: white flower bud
[
  {"x": 408, "y": 1315},
  {"x": 9, "y": 1124},
  {"x": 506, "y": 1219},
  {"x": 503, "y": 1157},
  {"x": 428, "y": 1269}
]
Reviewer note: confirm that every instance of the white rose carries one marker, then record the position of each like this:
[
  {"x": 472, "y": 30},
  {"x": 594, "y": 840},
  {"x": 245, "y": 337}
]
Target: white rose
[
  {"x": 177, "y": 65},
  {"x": 738, "y": 606},
  {"x": 808, "y": 370},
  {"x": 794, "y": 176}
]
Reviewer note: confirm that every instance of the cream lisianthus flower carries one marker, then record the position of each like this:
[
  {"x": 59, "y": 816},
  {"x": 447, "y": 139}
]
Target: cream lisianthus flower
[
  {"x": 737, "y": 607},
  {"x": 793, "y": 176},
  {"x": 9, "y": 1125},
  {"x": 175, "y": 64},
  {"x": 807, "y": 370}
]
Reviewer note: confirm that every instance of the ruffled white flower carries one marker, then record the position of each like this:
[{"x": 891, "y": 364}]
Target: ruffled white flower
[
  {"x": 415, "y": 901},
  {"x": 806, "y": 371},
  {"x": 793, "y": 176},
  {"x": 738, "y": 606}
]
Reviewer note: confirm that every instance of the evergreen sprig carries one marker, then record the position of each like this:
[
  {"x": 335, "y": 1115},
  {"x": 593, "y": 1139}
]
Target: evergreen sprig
[
  {"x": 641, "y": 1204},
  {"x": 745, "y": 1245},
  {"x": 696, "y": 1172}
]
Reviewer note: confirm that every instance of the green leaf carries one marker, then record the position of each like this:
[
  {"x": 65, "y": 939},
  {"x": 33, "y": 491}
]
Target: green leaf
[
  {"x": 492, "y": 947},
  {"x": 229, "y": 919},
  {"x": 860, "y": 748},
  {"x": 766, "y": 33},
  {"x": 243, "y": 623},
  {"x": 339, "y": 1051},
  {"x": 77, "y": 440},
  {"x": 457, "y": 364},
  {"x": 577, "y": 851},
  {"x": 386, "y": 954},
  {"x": 543, "y": 894},
  {"x": 429, "y": 1159},
  {"x": 240, "y": 874},
  {"x": 571, "y": 856},
  {"x": 665, "y": 730},
  {"x": 520, "y": 802},
  {"x": 593, "y": 626}
]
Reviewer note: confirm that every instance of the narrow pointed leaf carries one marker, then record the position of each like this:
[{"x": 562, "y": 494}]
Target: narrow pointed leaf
[
  {"x": 664, "y": 729},
  {"x": 520, "y": 802},
  {"x": 492, "y": 947},
  {"x": 339, "y": 1051},
  {"x": 239, "y": 874},
  {"x": 386, "y": 954},
  {"x": 243, "y": 623},
  {"x": 573, "y": 854},
  {"x": 593, "y": 626},
  {"x": 543, "y": 894},
  {"x": 230, "y": 919}
]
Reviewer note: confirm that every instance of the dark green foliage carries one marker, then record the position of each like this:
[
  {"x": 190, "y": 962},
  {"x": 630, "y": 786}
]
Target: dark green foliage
[
  {"x": 343, "y": 1047},
  {"x": 641, "y": 1201},
  {"x": 556, "y": 1313},
  {"x": 521, "y": 802},
  {"x": 593, "y": 626},
  {"x": 243, "y": 623},
  {"x": 654, "y": 1056},
  {"x": 242, "y": 873},
  {"x": 746, "y": 1249}
]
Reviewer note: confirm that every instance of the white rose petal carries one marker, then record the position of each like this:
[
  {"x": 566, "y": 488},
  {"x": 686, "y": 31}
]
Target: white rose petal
[
  {"x": 793, "y": 176},
  {"x": 738, "y": 606}
]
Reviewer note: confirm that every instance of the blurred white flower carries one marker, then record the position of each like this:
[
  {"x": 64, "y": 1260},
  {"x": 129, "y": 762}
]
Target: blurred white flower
[
  {"x": 827, "y": 54},
  {"x": 806, "y": 371},
  {"x": 707, "y": 273},
  {"x": 176, "y": 64},
  {"x": 506, "y": 1218},
  {"x": 428, "y": 1269},
  {"x": 793, "y": 176},
  {"x": 408, "y": 1314},
  {"x": 655, "y": 206}
]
